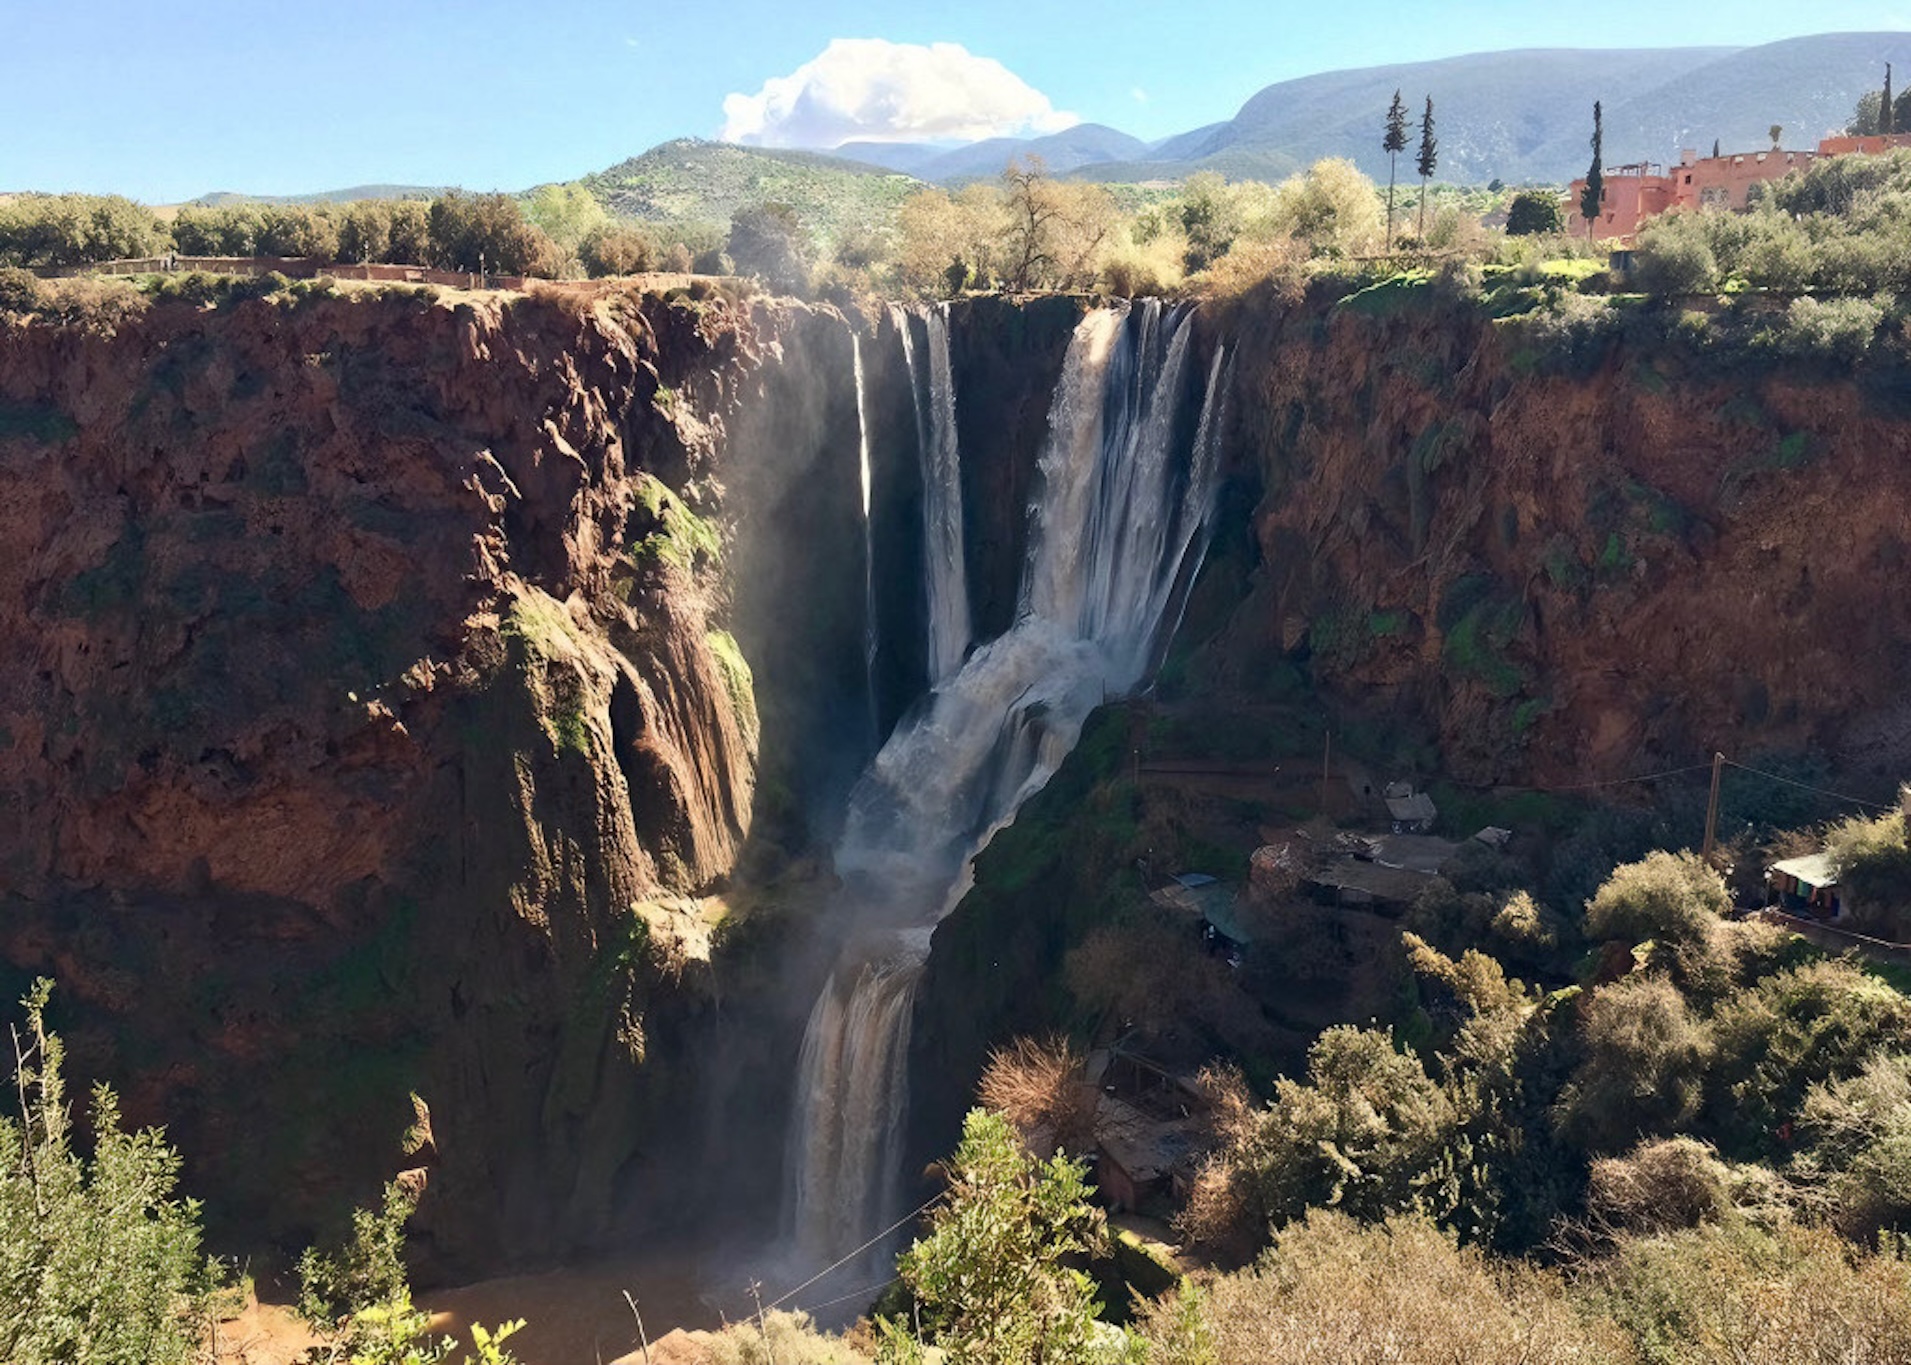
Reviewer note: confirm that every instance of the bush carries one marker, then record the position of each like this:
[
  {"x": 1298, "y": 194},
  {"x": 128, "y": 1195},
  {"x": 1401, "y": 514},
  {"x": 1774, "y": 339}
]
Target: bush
[
  {"x": 365, "y": 1270},
  {"x": 1369, "y": 1133},
  {"x": 1872, "y": 857},
  {"x": 1674, "y": 257},
  {"x": 1660, "y": 1186},
  {"x": 1672, "y": 899},
  {"x": 1724, "y": 1295},
  {"x": 618, "y": 251},
  {"x": 1332, "y": 1292},
  {"x": 99, "y": 1261},
  {"x": 1811, "y": 1024},
  {"x": 19, "y": 290},
  {"x": 1643, "y": 1065},
  {"x": 1533, "y": 213}
]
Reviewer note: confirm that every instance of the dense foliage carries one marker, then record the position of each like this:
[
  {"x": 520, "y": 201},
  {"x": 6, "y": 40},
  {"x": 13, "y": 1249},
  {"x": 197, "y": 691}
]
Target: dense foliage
[{"x": 99, "y": 1258}]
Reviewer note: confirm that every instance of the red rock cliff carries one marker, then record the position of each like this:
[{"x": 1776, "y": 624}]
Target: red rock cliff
[{"x": 360, "y": 664}]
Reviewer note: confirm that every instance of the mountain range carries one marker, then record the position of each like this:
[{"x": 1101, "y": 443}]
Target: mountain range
[{"x": 1516, "y": 116}]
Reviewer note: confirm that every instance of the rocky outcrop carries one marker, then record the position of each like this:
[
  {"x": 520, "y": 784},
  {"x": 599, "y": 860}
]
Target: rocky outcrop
[{"x": 363, "y": 659}]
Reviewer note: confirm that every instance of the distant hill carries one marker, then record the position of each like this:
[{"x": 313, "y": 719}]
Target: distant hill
[
  {"x": 1528, "y": 115},
  {"x": 1086, "y": 144},
  {"x": 346, "y": 196},
  {"x": 1517, "y": 116},
  {"x": 691, "y": 180}
]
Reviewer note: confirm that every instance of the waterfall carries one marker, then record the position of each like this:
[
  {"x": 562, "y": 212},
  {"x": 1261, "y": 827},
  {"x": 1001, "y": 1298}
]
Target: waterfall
[
  {"x": 1118, "y": 528},
  {"x": 945, "y": 572},
  {"x": 870, "y": 637}
]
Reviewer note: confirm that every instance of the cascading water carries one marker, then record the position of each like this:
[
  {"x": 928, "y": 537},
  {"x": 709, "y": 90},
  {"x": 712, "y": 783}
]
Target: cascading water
[
  {"x": 871, "y": 640},
  {"x": 945, "y": 571},
  {"x": 1120, "y": 523}
]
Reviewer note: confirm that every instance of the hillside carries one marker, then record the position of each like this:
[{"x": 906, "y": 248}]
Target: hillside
[
  {"x": 1519, "y": 115},
  {"x": 344, "y": 196},
  {"x": 690, "y": 180}
]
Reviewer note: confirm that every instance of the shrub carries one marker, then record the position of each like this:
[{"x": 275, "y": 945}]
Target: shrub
[
  {"x": 1369, "y": 1133},
  {"x": 99, "y": 1261},
  {"x": 1722, "y": 1295},
  {"x": 19, "y": 290},
  {"x": 781, "y": 1339},
  {"x": 1643, "y": 1065},
  {"x": 1872, "y": 857},
  {"x": 992, "y": 1277},
  {"x": 1672, "y": 899},
  {"x": 365, "y": 1270},
  {"x": 1659, "y": 1186},
  {"x": 617, "y": 251},
  {"x": 1674, "y": 257},
  {"x": 1533, "y": 213},
  {"x": 1811, "y": 1024},
  {"x": 1040, "y": 1087},
  {"x": 1332, "y": 1292},
  {"x": 1855, "y": 1137}
]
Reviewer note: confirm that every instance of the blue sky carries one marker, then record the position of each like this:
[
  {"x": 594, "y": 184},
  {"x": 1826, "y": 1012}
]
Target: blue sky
[{"x": 169, "y": 101}]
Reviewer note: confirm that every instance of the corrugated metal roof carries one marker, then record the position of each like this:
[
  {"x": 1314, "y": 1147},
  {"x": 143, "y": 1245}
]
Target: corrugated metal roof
[{"x": 1814, "y": 869}]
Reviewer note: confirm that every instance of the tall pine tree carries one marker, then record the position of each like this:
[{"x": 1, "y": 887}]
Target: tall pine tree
[
  {"x": 1885, "y": 121},
  {"x": 1429, "y": 160},
  {"x": 1394, "y": 143},
  {"x": 1595, "y": 191}
]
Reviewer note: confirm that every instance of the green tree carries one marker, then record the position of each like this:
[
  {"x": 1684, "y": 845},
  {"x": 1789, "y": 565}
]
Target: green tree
[
  {"x": 1393, "y": 142},
  {"x": 990, "y": 1275},
  {"x": 1674, "y": 900},
  {"x": 75, "y": 229},
  {"x": 410, "y": 241},
  {"x": 99, "y": 1261},
  {"x": 1427, "y": 161},
  {"x": 567, "y": 214},
  {"x": 768, "y": 241},
  {"x": 1533, "y": 213},
  {"x": 1887, "y": 112},
  {"x": 364, "y": 231},
  {"x": 1208, "y": 218},
  {"x": 1595, "y": 192},
  {"x": 487, "y": 232}
]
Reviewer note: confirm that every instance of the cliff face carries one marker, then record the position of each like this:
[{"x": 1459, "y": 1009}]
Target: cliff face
[
  {"x": 363, "y": 663},
  {"x": 1575, "y": 563}
]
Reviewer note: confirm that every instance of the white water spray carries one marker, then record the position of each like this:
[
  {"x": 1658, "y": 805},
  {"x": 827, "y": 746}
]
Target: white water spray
[
  {"x": 871, "y": 639},
  {"x": 1118, "y": 528},
  {"x": 945, "y": 570}
]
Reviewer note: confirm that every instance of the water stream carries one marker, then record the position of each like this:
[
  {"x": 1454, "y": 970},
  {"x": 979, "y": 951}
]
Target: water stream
[{"x": 1117, "y": 529}]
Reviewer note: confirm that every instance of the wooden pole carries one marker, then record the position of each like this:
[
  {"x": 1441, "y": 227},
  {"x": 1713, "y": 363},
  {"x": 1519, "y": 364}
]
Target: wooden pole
[{"x": 1712, "y": 808}]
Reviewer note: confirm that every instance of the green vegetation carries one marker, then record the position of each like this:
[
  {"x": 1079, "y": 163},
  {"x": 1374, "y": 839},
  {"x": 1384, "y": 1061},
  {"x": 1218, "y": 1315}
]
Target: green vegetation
[
  {"x": 1534, "y": 213},
  {"x": 75, "y": 229},
  {"x": 99, "y": 1259},
  {"x": 990, "y": 1277},
  {"x": 738, "y": 685}
]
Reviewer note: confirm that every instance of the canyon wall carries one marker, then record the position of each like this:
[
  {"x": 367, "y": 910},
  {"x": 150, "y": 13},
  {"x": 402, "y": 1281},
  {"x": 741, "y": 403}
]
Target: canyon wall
[
  {"x": 1580, "y": 558},
  {"x": 366, "y": 661}
]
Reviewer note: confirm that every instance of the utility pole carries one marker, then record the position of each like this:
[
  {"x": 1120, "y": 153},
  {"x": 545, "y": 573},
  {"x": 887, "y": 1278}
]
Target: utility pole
[{"x": 1712, "y": 807}]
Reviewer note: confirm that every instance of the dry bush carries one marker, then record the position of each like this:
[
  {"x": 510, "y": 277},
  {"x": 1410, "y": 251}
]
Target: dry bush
[
  {"x": 1039, "y": 1087},
  {"x": 1722, "y": 1296},
  {"x": 783, "y": 1339},
  {"x": 1659, "y": 1186},
  {"x": 1334, "y": 1293},
  {"x": 92, "y": 303}
]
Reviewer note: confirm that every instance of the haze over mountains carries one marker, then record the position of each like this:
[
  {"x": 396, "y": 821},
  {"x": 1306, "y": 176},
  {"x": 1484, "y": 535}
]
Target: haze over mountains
[{"x": 1519, "y": 116}]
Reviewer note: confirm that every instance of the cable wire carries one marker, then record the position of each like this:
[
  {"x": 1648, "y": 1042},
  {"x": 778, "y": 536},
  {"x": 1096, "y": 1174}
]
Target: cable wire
[
  {"x": 854, "y": 1294},
  {"x": 1806, "y": 786},
  {"x": 916, "y": 1213}
]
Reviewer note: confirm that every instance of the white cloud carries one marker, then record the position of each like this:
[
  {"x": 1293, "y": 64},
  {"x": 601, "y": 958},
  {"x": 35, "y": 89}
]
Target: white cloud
[{"x": 870, "y": 89}]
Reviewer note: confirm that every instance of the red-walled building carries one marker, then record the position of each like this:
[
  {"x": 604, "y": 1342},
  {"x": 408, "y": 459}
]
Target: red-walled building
[{"x": 1636, "y": 194}]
